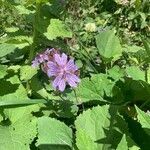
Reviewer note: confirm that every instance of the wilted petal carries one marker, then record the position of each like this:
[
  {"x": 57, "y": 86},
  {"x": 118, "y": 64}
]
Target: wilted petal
[
  {"x": 45, "y": 57},
  {"x": 35, "y": 63},
  {"x": 44, "y": 67},
  {"x": 62, "y": 85},
  {"x": 40, "y": 58}
]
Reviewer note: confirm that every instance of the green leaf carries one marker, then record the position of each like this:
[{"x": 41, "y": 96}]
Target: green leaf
[
  {"x": 55, "y": 135},
  {"x": 116, "y": 73},
  {"x": 27, "y": 72},
  {"x": 91, "y": 126},
  {"x": 108, "y": 45},
  {"x": 14, "y": 68},
  {"x": 6, "y": 49},
  {"x": 17, "y": 94},
  {"x": 20, "y": 41},
  {"x": 101, "y": 128},
  {"x": 11, "y": 29},
  {"x": 137, "y": 4},
  {"x": 39, "y": 90},
  {"x": 22, "y": 10},
  {"x": 146, "y": 45},
  {"x": 133, "y": 48},
  {"x": 57, "y": 29},
  {"x": 127, "y": 143},
  {"x": 92, "y": 89},
  {"x": 131, "y": 144},
  {"x": 12, "y": 100},
  {"x": 3, "y": 71},
  {"x": 135, "y": 73},
  {"x": 22, "y": 130},
  {"x": 143, "y": 119},
  {"x": 123, "y": 144},
  {"x": 41, "y": 1}
]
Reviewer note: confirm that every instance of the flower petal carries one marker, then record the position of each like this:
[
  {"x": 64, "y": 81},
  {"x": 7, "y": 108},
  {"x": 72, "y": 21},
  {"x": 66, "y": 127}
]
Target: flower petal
[
  {"x": 35, "y": 63},
  {"x": 70, "y": 66},
  {"x": 45, "y": 57},
  {"x": 53, "y": 69},
  {"x": 62, "y": 85},
  {"x": 58, "y": 59},
  {"x": 51, "y": 64},
  {"x": 51, "y": 73},
  {"x": 40, "y": 58},
  {"x": 56, "y": 81},
  {"x": 72, "y": 79},
  {"x": 63, "y": 59}
]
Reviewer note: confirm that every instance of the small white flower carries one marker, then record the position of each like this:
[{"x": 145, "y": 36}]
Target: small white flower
[{"x": 90, "y": 27}]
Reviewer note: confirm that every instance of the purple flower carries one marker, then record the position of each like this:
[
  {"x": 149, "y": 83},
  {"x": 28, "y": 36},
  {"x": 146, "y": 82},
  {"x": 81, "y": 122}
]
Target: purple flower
[
  {"x": 41, "y": 58},
  {"x": 64, "y": 72}
]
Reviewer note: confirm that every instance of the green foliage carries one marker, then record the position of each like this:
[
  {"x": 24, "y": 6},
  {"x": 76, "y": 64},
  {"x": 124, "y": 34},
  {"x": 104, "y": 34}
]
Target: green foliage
[
  {"x": 127, "y": 143},
  {"x": 57, "y": 29},
  {"x": 144, "y": 119},
  {"x": 109, "y": 41},
  {"x": 135, "y": 73},
  {"x": 91, "y": 126},
  {"x": 27, "y": 72},
  {"x": 3, "y": 71},
  {"x": 93, "y": 88},
  {"x": 21, "y": 130},
  {"x": 6, "y": 49},
  {"x": 123, "y": 144},
  {"x": 56, "y": 135},
  {"x": 108, "y": 45}
]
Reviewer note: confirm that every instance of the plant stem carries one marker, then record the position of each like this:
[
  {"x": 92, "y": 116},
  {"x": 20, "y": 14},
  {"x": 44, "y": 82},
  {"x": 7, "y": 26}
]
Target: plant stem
[
  {"x": 35, "y": 33},
  {"x": 93, "y": 67}
]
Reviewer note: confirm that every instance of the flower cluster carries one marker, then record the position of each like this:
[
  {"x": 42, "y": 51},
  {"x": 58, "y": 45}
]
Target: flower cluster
[{"x": 59, "y": 67}]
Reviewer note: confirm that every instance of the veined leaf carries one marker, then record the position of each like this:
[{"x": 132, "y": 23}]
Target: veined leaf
[
  {"x": 27, "y": 72},
  {"x": 144, "y": 119},
  {"x": 123, "y": 145},
  {"x": 92, "y": 89},
  {"x": 14, "y": 100},
  {"x": 147, "y": 46},
  {"x": 18, "y": 96},
  {"x": 91, "y": 126},
  {"x": 101, "y": 128},
  {"x": 108, "y": 45},
  {"x": 116, "y": 73},
  {"x": 22, "y": 130},
  {"x": 135, "y": 73},
  {"x": 3, "y": 71},
  {"x": 55, "y": 134},
  {"x": 23, "y": 10},
  {"x": 127, "y": 143},
  {"x": 6, "y": 49},
  {"x": 57, "y": 29}
]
